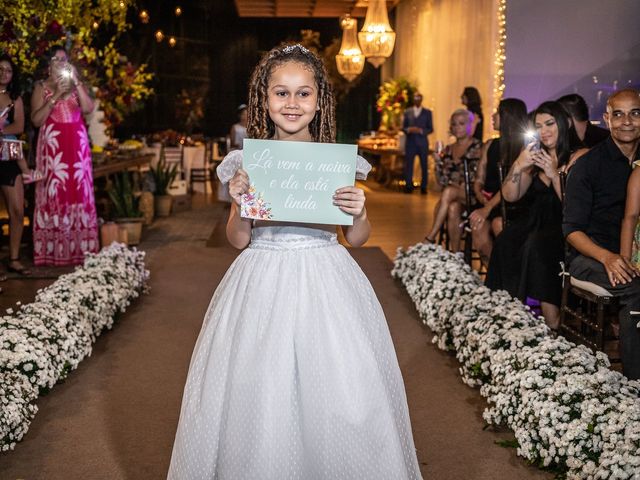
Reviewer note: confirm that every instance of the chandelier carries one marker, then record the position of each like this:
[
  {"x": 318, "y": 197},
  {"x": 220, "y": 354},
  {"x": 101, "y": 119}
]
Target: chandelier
[
  {"x": 377, "y": 37},
  {"x": 349, "y": 60}
]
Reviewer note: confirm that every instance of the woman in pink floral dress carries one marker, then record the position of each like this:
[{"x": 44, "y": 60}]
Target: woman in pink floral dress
[{"x": 65, "y": 225}]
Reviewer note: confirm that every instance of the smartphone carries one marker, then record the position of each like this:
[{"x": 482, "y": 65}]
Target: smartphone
[
  {"x": 530, "y": 137},
  {"x": 6, "y": 110}
]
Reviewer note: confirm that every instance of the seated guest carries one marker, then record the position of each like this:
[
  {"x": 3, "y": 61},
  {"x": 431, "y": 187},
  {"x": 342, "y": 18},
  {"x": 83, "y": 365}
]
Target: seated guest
[
  {"x": 630, "y": 232},
  {"x": 451, "y": 177},
  {"x": 593, "y": 213},
  {"x": 526, "y": 256},
  {"x": 589, "y": 134},
  {"x": 486, "y": 221}
]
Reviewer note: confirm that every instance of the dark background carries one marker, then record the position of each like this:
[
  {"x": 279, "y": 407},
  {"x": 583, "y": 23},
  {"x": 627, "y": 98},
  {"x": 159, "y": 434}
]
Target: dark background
[{"x": 215, "y": 54}]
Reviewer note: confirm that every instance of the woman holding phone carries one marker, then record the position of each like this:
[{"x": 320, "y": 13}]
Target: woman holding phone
[
  {"x": 526, "y": 256},
  {"x": 65, "y": 224}
]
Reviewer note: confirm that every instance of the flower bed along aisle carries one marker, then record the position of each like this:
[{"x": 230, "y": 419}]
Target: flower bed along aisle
[
  {"x": 43, "y": 341},
  {"x": 569, "y": 411}
]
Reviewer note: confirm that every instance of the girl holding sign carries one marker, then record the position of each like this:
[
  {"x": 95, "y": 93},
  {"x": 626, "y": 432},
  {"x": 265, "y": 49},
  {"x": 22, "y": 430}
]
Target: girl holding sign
[{"x": 294, "y": 374}]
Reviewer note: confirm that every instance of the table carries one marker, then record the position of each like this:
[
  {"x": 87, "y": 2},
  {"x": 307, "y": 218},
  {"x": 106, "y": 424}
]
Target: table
[
  {"x": 120, "y": 164},
  {"x": 390, "y": 166}
]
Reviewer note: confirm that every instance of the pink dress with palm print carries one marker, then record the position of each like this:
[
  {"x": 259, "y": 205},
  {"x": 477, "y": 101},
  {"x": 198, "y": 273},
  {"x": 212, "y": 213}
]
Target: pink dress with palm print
[{"x": 65, "y": 225}]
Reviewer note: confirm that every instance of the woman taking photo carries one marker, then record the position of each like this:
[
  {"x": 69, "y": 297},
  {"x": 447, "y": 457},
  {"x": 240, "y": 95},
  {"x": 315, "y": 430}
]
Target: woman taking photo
[
  {"x": 65, "y": 223},
  {"x": 526, "y": 256}
]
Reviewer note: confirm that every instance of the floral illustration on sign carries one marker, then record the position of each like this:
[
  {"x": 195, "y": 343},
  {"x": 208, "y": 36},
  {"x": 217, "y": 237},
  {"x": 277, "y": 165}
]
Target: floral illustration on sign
[{"x": 255, "y": 206}]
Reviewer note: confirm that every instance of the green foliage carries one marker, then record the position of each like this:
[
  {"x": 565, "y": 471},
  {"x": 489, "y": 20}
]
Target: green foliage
[
  {"x": 163, "y": 175},
  {"x": 125, "y": 203}
]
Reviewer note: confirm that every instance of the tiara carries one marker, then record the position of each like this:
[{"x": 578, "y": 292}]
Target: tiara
[{"x": 291, "y": 48}]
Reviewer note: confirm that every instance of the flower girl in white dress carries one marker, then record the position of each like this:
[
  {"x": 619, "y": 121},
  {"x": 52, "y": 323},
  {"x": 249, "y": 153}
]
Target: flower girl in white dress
[{"x": 294, "y": 375}]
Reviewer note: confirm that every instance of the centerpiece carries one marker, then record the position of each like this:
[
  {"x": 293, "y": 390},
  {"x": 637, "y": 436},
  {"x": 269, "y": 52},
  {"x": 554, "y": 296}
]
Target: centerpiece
[{"x": 394, "y": 97}]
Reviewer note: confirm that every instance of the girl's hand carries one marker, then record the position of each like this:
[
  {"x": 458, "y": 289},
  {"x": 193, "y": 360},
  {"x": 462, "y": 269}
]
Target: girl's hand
[
  {"x": 548, "y": 165},
  {"x": 239, "y": 185},
  {"x": 350, "y": 200}
]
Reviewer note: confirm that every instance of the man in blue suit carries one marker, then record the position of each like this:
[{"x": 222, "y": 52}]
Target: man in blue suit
[{"x": 416, "y": 125}]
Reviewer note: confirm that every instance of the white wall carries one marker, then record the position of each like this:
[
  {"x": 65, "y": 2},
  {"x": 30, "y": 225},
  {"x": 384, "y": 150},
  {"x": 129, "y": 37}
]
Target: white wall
[{"x": 557, "y": 46}]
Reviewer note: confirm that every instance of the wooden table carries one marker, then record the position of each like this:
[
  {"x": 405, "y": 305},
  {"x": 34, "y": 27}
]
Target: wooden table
[
  {"x": 122, "y": 164},
  {"x": 390, "y": 166}
]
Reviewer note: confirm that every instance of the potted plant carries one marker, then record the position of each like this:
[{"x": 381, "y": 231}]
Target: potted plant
[
  {"x": 163, "y": 177},
  {"x": 126, "y": 210}
]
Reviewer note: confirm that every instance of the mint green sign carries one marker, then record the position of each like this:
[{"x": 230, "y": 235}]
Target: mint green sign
[{"x": 295, "y": 181}]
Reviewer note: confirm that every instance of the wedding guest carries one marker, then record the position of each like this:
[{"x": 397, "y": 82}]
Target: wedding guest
[
  {"x": 65, "y": 223},
  {"x": 526, "y": 256},
  {"x": 588, "y": 133},
  {"x": 593, "y": 215},
  {"x": 293, "y": 386},
  {"x": 12, "y": 120},
  {"x": 630, "y": 232},
  {"x": 239, "y": 130},
  {"x": 417, "y": 124},
  {"x": 13, "y": 173},
  {"x": 486, "y": 222},
  {"x": 450, "y": 163},
  {"x": 471, "y": 99}
]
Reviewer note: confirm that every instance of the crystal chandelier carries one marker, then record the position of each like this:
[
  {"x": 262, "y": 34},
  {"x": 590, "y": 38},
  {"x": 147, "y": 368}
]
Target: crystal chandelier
[
  {"x": 349, "y": 60},
  {"x": 376, "y": 37}
]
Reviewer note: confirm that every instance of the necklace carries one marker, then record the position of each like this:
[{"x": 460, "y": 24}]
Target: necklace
[{"x": 3, "y": 91}]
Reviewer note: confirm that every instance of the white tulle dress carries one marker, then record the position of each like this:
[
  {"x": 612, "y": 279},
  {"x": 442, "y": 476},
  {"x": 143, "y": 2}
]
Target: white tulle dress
[{"x": 294, "y": 375}]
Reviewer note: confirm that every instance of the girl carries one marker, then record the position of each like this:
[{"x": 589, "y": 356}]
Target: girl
[
  {"x": 526, "y": 256},
  {"x": 294, "y": 374},
  {"x": 630, "y": 234}
]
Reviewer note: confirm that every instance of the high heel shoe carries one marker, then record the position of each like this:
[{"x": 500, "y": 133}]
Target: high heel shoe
[
  {"x": 20, "y": 269},
  {"x": 32, "y": 177}
]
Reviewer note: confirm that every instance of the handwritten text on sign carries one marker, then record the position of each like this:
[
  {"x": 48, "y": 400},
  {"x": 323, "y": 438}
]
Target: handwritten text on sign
[{"x": 295, "y": 181}]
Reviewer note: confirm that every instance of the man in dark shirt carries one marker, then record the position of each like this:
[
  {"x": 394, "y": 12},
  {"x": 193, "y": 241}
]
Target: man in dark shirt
[
  {"x": 588, "y": 133},
  {"x": 594, "y": 207}
]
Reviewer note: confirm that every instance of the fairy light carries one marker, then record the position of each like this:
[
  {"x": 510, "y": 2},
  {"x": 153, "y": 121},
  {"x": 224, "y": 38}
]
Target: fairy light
[{"x": 500, "y": 56}]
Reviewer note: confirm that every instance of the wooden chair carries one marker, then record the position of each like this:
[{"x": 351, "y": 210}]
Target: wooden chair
[
  {"x": 588, "y": 313},
  {"x": 201, "y": 171},
  {"x": 173, "y": 155}
]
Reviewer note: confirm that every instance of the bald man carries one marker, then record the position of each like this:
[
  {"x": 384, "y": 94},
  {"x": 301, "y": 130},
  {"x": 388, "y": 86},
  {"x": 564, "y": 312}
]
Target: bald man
[{"x": 593, "y": 210}]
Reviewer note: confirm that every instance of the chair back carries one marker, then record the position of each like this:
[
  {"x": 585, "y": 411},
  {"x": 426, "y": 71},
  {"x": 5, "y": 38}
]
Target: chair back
[{"x": 503, "y": 204}]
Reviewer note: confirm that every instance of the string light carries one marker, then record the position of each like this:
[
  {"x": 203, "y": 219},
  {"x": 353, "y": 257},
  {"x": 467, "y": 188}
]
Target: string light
[
  {"x": 500, "y": 56},
  {"x": 178, "y": 11},
  {"x": 144, "y": 16},
  {"x": 95, "y": 25},
  {"x": 159, "y": 36},
  {"x": 172, "y": 42}
]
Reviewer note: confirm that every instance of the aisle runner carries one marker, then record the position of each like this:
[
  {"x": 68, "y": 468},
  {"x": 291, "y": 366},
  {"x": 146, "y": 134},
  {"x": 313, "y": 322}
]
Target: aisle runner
[
  {"x": 44, "y": 340},
  {"x": 568, "y": 410}
]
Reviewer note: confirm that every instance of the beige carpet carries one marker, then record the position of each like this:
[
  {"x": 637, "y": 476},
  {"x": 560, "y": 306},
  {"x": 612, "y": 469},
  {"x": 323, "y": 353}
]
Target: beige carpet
[{"x": 115, "y": 417}]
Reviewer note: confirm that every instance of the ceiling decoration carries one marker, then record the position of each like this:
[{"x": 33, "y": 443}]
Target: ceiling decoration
[{"x": 305, "y": 8}]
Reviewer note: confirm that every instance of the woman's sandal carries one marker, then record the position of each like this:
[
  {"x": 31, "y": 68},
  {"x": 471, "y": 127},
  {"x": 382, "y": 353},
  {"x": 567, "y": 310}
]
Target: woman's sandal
[
  {"x": 20, "y": 270},
  {"x": 32, "y": 177},
  {"x": 429, "y": 240}
]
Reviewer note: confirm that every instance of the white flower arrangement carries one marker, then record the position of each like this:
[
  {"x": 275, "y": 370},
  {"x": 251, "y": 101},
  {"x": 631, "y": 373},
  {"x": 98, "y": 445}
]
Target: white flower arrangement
[
  {"x": 569, "y": 411},
  {"x": 40, "y": 343}
]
